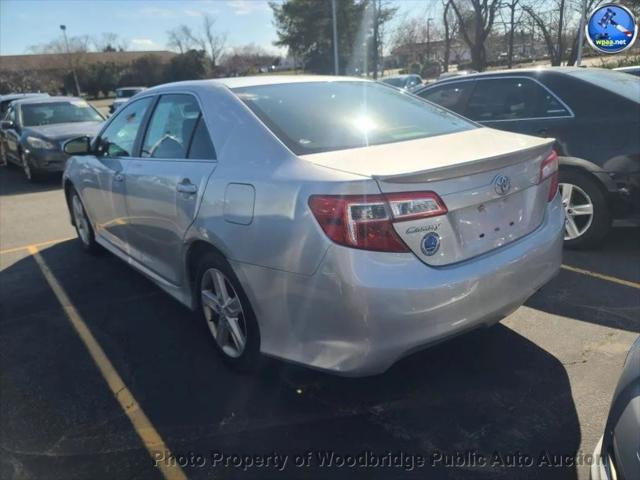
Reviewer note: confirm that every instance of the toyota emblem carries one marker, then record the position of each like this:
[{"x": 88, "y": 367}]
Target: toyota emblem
[{"x": 502, "y": 184}]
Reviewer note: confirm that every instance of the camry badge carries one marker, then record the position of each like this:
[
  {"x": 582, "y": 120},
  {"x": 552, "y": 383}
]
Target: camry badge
[
  {"x": 502, "y": 184},
  {"x": 430, "y": 243}
]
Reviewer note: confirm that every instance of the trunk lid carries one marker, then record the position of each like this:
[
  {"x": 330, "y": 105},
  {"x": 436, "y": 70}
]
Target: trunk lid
[{"x": 488, "y": 180}]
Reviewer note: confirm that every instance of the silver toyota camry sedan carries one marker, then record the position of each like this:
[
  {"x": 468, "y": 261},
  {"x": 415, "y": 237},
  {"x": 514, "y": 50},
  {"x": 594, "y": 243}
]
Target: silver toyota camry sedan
[{"x": 333, "y": 222}]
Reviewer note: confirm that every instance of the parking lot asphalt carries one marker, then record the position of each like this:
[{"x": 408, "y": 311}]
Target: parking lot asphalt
[{"x": 529, "y": 395}]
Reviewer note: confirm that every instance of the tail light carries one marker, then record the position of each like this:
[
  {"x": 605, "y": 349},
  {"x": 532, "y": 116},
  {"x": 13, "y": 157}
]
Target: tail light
[
  {"x": 549, "y": 168},
  {"x": 366, "y": 221}
]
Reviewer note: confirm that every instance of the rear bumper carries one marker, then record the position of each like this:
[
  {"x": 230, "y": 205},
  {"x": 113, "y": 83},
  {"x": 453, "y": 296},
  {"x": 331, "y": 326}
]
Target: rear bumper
[{"x": 362, "y": 311}]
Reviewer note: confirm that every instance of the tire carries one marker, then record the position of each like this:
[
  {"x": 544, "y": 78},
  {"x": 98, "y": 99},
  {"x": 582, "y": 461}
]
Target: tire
[
  {"x": 580, "y": 189},
  {"x": 242, "y": 356},
  {"x": 82, "y": 224}
]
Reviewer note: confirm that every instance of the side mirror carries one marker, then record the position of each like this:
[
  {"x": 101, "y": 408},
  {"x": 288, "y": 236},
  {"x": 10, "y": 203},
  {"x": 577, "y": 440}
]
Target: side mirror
[
  {"x": 6, "y": 125},
  {"x": 77, "y": 146}
]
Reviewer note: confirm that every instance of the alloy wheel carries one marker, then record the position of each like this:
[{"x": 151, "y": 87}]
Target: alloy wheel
[
  {"x": 80, "y": 219},
  {"x": 224, "y": 313},
  {"x": 578, "y": 210}
]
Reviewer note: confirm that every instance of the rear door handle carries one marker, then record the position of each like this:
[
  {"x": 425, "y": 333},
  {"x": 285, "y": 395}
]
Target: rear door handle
[
  {"x": 118, "y": 177},
  {"x": 185, "y": 186}
]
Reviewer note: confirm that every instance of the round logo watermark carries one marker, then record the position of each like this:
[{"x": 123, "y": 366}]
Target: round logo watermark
[{"x": 611, "y": 28}]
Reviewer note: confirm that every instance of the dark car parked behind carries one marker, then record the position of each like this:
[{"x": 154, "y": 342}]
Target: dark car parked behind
[
  {"x": 404, "y": 82},
  {"x": 635, "y": 70},
  {"x": 617, "y": 454},
  {"x": 594, "y": 115},
  {"x": 34, "y": 130},
  {"x": 5, "y": 100}
]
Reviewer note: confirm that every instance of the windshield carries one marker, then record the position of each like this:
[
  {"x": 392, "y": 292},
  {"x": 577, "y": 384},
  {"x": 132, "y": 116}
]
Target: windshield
[
  {"x": 127, "y": 93},
  {"x": 58, "y": 112},
  {"x": 323, "y": 116},
  {"x": 617, "y": 82}
]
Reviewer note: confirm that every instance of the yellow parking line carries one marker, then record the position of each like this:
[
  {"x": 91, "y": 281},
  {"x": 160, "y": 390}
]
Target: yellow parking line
[
  {"x": 36, "y": 245},
  {"x": 143, "y": 427},
  {"x": 608, "y": 278}
]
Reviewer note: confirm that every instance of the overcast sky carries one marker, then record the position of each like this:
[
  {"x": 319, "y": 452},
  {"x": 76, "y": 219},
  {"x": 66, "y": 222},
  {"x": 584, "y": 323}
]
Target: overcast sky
[{"x": 142, "y": 23}]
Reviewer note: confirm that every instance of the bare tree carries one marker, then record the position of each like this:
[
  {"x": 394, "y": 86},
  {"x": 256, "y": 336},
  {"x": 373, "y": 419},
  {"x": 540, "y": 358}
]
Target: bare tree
[
  {"x": 77, "y": 45},
  {"x": 246, "y": 59},
  {"x": 545, "y": 28},
  {"x": 558, "y": 22},
  {"x": 214, "y": 43},
  {"x": 181, "y": 39},
  {"x": 409, "y": 31},
  {"x": 476, "y": 22},
  {"x": 109, "y": 42},
  {"x": 577, "y": 9},
  {"x": 450, "y": 24},
  {"x": 512, "y": 6}
]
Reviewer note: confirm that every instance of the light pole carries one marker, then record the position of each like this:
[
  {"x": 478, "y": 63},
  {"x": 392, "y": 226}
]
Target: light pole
[
  {"x": 429, "y": 20},
  {"x": 375, "y": 40},
  {"x": 581, "y": 28},
  {"x": 73, "y": 70},
  {"x": 336, "y": 66}
]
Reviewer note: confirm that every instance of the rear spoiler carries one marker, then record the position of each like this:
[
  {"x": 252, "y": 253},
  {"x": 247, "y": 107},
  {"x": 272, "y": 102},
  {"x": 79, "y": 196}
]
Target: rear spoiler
[{"x": 538, "y": 152}]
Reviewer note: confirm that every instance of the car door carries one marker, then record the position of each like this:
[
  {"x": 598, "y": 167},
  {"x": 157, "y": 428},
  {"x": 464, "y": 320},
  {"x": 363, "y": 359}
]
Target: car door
[
  {"x": 164, "y": 186},
  {"x": 103, "y": 187},
  {"x": 518, "y": 104}
]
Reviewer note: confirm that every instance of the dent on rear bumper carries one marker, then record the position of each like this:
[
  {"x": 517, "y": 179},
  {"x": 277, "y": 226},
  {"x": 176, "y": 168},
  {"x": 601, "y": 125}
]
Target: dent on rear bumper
[{"x": 361, "y": 311}]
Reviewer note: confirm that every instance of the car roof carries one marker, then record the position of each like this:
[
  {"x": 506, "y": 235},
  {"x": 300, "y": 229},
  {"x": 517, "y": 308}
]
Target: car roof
[
  {"x": 532, "y": 71},
  {"x": 43, "y": 99},
  {"x": 258, "y": 80},
  {"x": 251, "y": 81},
  {"x": 131, "y": 88},
  {"x": 16, "y": 96},
  {"x": 537, "y": 69},
  {"x": 405, "y": 75}
]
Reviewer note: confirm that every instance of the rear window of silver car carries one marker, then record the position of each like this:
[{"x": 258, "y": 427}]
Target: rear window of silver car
[{"x": 313, "y": 117}]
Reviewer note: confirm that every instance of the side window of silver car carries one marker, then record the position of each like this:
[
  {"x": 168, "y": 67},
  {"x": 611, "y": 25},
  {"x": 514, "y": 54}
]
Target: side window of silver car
[
  {"x": 201, "y": 147},
  {"x": 171, "y": 127},
  {"x": 119, "y": 137}
]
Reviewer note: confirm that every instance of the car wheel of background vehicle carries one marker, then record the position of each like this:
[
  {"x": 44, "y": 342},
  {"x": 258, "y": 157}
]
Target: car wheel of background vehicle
[
  {"x": 228, "y": 314},
  {"x": 587, "y": 216},
  {"x": 82, "y": 224}
]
